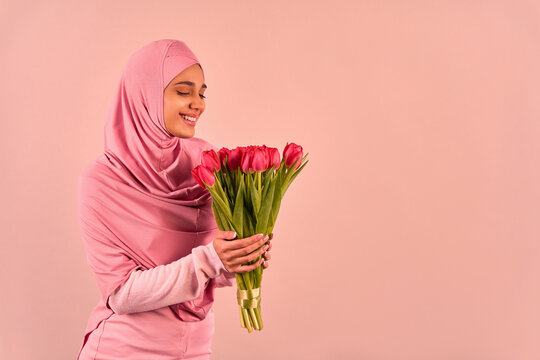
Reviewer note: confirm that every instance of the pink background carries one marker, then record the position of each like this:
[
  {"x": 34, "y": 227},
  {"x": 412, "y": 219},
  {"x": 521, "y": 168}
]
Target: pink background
[{"x": 412, "y": 233}]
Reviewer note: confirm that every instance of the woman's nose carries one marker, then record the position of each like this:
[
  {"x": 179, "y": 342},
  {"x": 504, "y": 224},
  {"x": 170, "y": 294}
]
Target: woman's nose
[{"x": 197, "y": 103}]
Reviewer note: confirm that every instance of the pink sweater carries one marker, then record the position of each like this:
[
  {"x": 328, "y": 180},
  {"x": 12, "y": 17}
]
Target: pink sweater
[{"x": 165, "y": 285}]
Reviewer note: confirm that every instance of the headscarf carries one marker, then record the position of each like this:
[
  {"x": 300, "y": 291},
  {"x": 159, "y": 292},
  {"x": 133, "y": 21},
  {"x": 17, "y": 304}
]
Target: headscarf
[{"x": 138, "y": 203}]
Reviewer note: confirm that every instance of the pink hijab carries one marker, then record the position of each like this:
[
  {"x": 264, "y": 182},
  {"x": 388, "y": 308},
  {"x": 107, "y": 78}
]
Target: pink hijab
[{"x": 138, "y": 204}]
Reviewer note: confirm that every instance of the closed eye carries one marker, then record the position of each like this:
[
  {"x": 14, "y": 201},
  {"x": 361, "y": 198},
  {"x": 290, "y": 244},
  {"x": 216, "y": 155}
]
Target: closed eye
[{"x": 181, "y": 93}]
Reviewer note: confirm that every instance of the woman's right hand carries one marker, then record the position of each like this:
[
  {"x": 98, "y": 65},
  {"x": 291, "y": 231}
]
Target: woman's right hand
[{"x": 235, "y": 253}]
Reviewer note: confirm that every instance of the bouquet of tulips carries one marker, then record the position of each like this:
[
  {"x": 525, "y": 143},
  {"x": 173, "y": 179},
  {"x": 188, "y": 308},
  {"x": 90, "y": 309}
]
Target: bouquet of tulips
[{"x": 247, "y": 185}]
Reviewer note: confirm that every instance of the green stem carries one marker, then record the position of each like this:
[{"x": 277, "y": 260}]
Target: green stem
[
  {"x": 240, "y": 281},
  {"x": 247, "y": 320},
  {"x": 247, "y": 282},
  {"x": 259, "y": 317},
  {"x": 254, "y": 319},
  {"x": 259, "y": 177}
]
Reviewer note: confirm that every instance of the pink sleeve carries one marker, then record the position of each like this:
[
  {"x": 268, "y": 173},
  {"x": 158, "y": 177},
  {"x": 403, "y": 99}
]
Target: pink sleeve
[
  {"x": 225, "y": 279},
  {"x": 165, "y": 285}
]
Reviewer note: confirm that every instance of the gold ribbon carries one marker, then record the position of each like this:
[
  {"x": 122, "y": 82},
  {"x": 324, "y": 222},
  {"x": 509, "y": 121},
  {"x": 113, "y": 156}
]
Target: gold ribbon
[{"x": 248, "y": 299}]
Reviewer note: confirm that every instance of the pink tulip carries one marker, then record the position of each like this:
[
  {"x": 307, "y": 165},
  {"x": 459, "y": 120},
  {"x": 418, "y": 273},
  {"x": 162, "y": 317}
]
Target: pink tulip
[
  {"x": 245, "y": 165},
  {"x": 291, "y": 153},
  {"x": 203, "y": 175},
  {"x": 259, "y": 159},
  {"x": 210, "y": 160},
  {"x": 223, "y": 153},
  {"x": 235, "y": 158},
  {"x": 195, "y": 173},
  {"x": 274, "y": 158}
]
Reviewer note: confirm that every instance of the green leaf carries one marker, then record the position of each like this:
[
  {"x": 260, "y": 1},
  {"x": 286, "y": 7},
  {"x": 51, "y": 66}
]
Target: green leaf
[
  {"x": 219, "y": 189},
  {"x": 224, "y": 208},
  {"x": 266, "y": 207},
  {"x": 255, "y": 200},
  {"x": 291, "y": 173},
  {"x": 275, "y": 211},
  {"x": 276, "y": 203},
  {"x": 293, "y": 176},
  {"x": 238, "y": 213},
  {"x": 265, "y": 184},
  {"x": 250, "y": 229},
  {"x": 217, "y": 217}
]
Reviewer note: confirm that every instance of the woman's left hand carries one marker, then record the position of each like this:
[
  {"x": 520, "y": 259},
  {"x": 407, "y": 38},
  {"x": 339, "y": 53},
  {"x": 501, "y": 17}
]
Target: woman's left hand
[{"x": 266, "y": 254}]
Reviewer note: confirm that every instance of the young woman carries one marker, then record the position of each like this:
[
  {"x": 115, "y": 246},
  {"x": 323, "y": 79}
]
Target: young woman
[{"x": 148, "y": 228}]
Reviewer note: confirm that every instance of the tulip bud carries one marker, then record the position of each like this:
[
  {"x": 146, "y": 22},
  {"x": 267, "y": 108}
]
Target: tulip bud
[
  {"x": 210, "y": 160},
  {"x": 245, "y": 164},
  {"x": 292, "y": 153},
  {"x": 259, "y": 159},
  {"x": 235, "y": 158},
  {"x": 274, "y": 158},
  {"x": 223, "y": 154},
  {"x": 195, "y": 173},
  {"x": 203, "y": 176}
]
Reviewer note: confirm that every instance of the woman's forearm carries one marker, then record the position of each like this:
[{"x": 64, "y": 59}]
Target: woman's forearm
[{"x": 182, "y": 280}]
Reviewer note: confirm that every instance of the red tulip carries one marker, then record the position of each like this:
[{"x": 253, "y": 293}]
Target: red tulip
[
  {"x": 203, "y": 175},
  {"x": 259, "y": 159},
  {"x": 274, "y": 158},
  {"x": 210, "y": 160},
  {"x": 235, "y": 158},
  {"x": 291, "y": 153},
  {"x": 223, "y": 153},
  {"x": 195, "y": 173},
  {"x": 245, "y": 165}
]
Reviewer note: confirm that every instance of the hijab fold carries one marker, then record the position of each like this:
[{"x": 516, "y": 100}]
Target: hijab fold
[{"x": 138, "y": 204}]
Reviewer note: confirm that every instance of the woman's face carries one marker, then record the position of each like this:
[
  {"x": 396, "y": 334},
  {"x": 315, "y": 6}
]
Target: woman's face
[{"x": 184, "y": 96}]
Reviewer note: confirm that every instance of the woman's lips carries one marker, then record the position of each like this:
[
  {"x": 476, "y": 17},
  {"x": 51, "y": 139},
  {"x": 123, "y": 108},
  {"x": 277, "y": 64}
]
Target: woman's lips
[{"x": 190, "y": 123}]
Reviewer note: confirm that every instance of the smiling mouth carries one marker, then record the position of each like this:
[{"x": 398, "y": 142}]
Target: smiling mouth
[{"x": 189, "y": 118}]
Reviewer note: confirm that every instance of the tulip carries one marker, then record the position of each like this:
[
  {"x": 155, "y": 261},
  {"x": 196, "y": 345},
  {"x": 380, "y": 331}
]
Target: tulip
[
  {"x": 223, "y": 153},
  {"x": 195, "y": 174},
  {"x": 210, "y": 160},
  {"x": 202, "y": 175},
  {"x": 235, "y": 158},
  {"x": 245, "y": 165},
  {"x": 274, "y": 158},
  {"x": 291, "y": 153},
  {"x": 259, "y": 159}
]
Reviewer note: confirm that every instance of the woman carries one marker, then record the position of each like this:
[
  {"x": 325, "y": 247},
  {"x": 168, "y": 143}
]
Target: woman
[{"x": 148, "y": 227}]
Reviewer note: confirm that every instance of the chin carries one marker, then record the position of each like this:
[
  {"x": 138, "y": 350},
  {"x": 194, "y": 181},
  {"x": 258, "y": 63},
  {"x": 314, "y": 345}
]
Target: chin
[{"x": 184, "y": 135}]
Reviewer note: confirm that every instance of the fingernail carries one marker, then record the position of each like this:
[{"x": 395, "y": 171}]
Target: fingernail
[{"x": 266, "y": 237}]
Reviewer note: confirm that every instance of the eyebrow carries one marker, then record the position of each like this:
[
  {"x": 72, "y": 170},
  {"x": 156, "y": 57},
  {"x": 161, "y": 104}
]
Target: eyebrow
[{"x": 190, "y": 83}]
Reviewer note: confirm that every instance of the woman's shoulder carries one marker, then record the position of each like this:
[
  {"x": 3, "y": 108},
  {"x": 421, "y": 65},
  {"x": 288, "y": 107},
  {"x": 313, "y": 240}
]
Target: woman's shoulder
[{"x": 97, "y": 173}]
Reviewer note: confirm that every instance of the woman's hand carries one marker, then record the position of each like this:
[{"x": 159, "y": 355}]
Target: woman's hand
[
  {"x": 235, "y": 253},
  {"x": 266, "y": 254}
]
